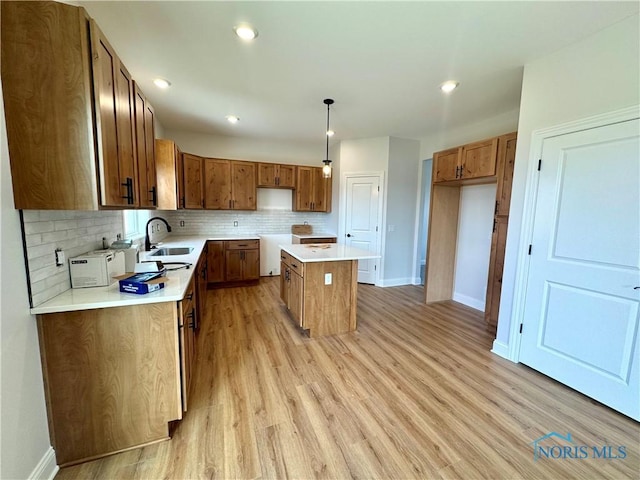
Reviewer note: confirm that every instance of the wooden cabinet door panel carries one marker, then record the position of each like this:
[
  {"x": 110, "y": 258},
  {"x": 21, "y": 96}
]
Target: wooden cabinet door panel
[
  {"x": 251, "y": 265},
  {"x": 304, "y": 189},
  {"x": 192, "y": 169},
  {"x": 151, "y": 195},
  {"x": 104, "y": 74},
  {"x": 243, "y": 185},
  {"x": 145, "y": 142},
  {"x": 321, "y": 192},
  {"x": 446, "y": 165},
  {"x": 217, "y": 179},
  {"x": 494, "y": 284},
  {"x": 127, "y": 162},
  {"x": 284, "y": 284},
  {"x": 233, "y": 265},
  {"x": 507, "y": 157},
  {"x": 479, "y": 159},
  {"x": 286, "y": 176},
  {"x": 296, "y": 295},
  {"x": 215, "y": 261},
  {"x": 267, "y": 175}
]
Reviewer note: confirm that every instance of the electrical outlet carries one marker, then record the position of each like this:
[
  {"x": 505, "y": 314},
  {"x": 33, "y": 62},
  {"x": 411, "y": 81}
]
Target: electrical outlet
[
  {"x": 60, "y": 257},
  {"x": 235, "y": 223},
  {"x": 182, "y": 223},
  {"x": 327, "y": 279}
]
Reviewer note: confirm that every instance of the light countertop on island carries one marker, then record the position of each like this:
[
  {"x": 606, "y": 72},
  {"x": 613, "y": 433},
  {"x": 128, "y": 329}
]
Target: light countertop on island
[{"x": 327, "y": 252}]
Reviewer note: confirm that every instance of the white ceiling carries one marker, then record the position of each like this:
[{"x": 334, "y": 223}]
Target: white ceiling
[{"x": 382, "y": 62}]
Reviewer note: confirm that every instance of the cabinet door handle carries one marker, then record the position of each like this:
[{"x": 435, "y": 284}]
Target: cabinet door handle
[
  {"x": 129, "y": 184},
  {"x": 229, "y": 204},
  {"x": 494, "y": 224},
  {"x": 184, "y": 202},
  {"x": 462, "y": 170},
  {"x": 154, "y": 196},
  {"x": 495, "y": 211}
]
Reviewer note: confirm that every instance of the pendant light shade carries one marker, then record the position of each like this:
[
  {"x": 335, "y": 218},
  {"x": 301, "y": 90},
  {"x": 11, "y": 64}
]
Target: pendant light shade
[{"x": 326, "y": 169}]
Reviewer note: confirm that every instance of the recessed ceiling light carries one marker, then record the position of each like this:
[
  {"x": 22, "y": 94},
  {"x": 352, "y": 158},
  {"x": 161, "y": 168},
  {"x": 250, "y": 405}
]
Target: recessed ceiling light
[
  {"x": 161, "y": 83},
  {"x": 330, "y": 133},
  {"x": 232, "y": 119},
  {"x": 245, "y": 31},
  {"x": 449, "y": 86}
]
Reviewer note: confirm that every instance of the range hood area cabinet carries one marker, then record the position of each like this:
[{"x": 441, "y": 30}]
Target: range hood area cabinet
[{"x": 69, "y": 107}]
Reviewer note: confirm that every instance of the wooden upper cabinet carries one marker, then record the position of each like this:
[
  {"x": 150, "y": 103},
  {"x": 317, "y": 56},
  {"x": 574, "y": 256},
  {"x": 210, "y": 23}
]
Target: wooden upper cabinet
[
  {"x": 229, "y": 184},
  {"x": 217, "y": 184},
  {"x": 145, "y": 149},
  {"x": 48, "y": 40},
  {"x": 313, "y": 191},
  {"x": 472, "y": 163},
  {"x": 446, "y": 165},
  {"x": 72, "y": 138},
  {"x": 243, "y": 186},
  {"x": 169, "y": 175},
  {"x": 274, "y": 175},
  {"x": 113, "y": 90},
  {"x": 193, "y": 180},
  {"x": 506, "y": 160},
  {"x": 479, "y": 159}
]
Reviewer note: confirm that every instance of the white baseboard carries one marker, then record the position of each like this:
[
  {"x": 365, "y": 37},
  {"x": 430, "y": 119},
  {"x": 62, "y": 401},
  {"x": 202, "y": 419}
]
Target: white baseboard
[
  {"x": 417, "y": 281},
  {"x": 46, "y": 468},
  {"x": 501, "y": 349},
  {"x": 468, "y": 301},
  {"x": 395, "y": 282}
]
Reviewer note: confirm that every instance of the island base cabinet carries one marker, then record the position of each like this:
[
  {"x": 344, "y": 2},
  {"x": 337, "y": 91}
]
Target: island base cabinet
[
  {"x": 321, "y": 297},
  {"x": 112, "y": 378}
]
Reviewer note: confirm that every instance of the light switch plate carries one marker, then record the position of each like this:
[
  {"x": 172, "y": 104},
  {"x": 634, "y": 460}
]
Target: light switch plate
[{"x": 327, "y": 279}]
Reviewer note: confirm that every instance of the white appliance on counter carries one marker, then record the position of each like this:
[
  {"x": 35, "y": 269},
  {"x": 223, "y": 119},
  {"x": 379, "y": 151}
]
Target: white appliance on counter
[{"x": 96, "y": 268}]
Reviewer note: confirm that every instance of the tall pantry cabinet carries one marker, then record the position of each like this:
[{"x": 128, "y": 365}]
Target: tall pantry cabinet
[{"x": 69, "y": 107}]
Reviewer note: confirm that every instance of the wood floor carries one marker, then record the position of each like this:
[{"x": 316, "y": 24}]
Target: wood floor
[{"x": 414, "y": 393}]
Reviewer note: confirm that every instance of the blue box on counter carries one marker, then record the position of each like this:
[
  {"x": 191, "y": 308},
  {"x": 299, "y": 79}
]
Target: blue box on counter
[{"x": 141, "y": 283}]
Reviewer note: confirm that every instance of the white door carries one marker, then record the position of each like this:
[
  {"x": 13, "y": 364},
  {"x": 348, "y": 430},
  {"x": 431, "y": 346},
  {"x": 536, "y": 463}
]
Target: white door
[
  {"x": 580, "y": 323},
  {"x": 361, "y": 221}
]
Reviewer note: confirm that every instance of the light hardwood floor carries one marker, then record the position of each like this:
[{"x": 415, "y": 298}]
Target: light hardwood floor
[{"x": 414, "y": 393}]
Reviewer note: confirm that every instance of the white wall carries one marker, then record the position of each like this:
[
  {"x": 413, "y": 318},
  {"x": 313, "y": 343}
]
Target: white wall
[
  {"x": 249, "y": 148},
  {"x": 24, "y": 431},
  {"x": 402, "y": 189},
  {"x": 597, "y": 75},
  {"x": 473, "y": 250}
]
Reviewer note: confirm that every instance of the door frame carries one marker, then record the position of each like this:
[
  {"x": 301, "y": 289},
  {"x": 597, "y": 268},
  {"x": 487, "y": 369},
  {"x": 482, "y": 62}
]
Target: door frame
[
  {"x": 528, "y": 213},
  {"x": 382, "y": 200}
]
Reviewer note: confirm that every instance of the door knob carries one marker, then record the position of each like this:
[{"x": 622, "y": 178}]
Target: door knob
[{"x": 348, "y": 235}]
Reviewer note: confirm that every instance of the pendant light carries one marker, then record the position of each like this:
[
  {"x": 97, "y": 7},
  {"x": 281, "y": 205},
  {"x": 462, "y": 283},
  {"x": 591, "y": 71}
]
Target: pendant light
[{"x": 326, "y": 169}]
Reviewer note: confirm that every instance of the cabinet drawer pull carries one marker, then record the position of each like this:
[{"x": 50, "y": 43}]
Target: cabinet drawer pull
[
  {"x": 189, "y": 296},
  {"x": 294, "y": 265}
]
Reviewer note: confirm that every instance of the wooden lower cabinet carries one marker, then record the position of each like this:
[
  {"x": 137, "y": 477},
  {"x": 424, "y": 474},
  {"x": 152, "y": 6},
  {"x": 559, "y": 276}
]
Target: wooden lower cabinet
[
  {"x": 112, "y": 378},
  {"x": 314, "y": 305},
  {"x": 233, "y": 261},
  {"x": 187, "y": 325}
]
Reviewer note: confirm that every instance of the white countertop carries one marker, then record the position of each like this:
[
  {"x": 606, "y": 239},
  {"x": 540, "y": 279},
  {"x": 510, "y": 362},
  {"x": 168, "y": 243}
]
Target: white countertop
[
  {"x": 173, "y": 291},
  {"x": 327, "y": 252},
  {"x": 103, "y": 297}
]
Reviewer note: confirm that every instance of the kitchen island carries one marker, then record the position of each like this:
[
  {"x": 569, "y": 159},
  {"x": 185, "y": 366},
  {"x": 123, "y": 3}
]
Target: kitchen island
[{"x": 319, "y": 285}]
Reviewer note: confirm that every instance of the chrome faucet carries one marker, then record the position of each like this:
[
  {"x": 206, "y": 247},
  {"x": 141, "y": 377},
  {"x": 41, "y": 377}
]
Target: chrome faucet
[{"x": 147, "y": 240}]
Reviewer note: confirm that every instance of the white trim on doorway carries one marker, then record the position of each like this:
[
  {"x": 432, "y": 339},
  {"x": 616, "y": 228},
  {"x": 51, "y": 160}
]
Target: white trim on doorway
[
  {"x": 382, "y": 202},
  {"x": 531, "y": 188}
]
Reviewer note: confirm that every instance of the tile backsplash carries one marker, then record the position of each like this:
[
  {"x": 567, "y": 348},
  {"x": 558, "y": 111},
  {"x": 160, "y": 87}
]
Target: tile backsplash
[
  {"x": 74, "y": 232},
  {"x": 270, "y": 221}
]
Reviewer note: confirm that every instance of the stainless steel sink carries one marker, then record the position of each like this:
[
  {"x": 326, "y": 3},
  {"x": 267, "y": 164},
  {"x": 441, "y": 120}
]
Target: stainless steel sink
[{"x": 168, "y": 251}]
